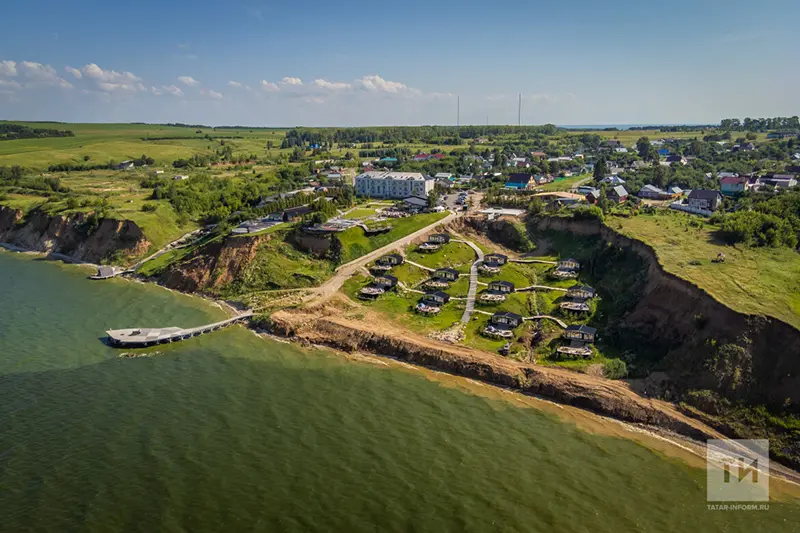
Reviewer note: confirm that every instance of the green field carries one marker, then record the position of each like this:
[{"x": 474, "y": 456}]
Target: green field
[
  {"x": 751, "y": 280},
  {"x": 355, "y": 243},
  {"x": 455, "y": 255}
]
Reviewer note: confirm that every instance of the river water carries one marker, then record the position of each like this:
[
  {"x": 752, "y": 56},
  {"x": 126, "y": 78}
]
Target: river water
[{"x": 231, "y": 432}]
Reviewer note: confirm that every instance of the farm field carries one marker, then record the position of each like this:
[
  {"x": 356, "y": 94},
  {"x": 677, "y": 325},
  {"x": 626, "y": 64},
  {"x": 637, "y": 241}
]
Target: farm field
[{"x": 751, "y": 280}]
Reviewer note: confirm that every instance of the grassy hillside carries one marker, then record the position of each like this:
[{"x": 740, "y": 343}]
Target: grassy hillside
[
  {"x": 751, "y": 280},
  {"x": 355, "y": 243}
]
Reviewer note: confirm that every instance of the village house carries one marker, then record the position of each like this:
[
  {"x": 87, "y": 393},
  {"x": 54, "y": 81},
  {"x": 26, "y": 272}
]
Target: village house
[
  {"x": 443, "y": 176},
  {"x": 506, "y": 319},
  {"x": 495, "y": 259},
  {"x": 675, "y": 191},
  {"x": 295, "y": 213},
  {"x": 612, "y": 143},
  {"x": 421, "y": 157},
  {"x": 538, "y": 155},
  {"x": 617, "y": 194},
  {"x": 504, "y": 287},
  {"x": 782, "y": 181},
  {"x": 125, "y": 165},
  {"x": 593, "y": 195},
  {"x": 445, "y": 274},
  {"x": 583, "y": 292},
  {"x": 581, "y": 333},
  {"x": 613, "y": 180},
  {"x": 734, "y": 185},
  {"x": 652, "y": 192},
  {"x": 675, "y": 159},
  {"x": 705, "y": 199},
  {"x": 520, "y": 181}
]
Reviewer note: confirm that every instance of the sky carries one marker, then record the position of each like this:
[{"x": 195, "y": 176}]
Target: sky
[{"x": 351, "y": 63}]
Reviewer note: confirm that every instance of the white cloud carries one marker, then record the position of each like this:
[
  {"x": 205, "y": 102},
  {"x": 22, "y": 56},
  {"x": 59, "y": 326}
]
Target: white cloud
[
  {"x": 112, "y": 81},
  {"x": 375, "y": 83},
  {"x": 39, "y": 74},
  {"x": 75, "y": 72},
  {"x": 292, "y": 81},
  {"x": 8, "y": 68},
  {"x": 155, "y": 91},
  {"x": 212, "y": 94},
  {"x": 10, "y": 84},
  {"x": 314, "y": 100},
  {"x": 188, "y": 80},
  {"x": 332, "y": 85},
  {"x": 269, "y": 87},
  {"x": 234, "y": 84},
  {"x": 173, "y": 90}
]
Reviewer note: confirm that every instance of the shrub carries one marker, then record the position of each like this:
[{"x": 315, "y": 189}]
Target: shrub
[
  {"x": 149, "y": 208},
  {"x": 615, "y": 369}
]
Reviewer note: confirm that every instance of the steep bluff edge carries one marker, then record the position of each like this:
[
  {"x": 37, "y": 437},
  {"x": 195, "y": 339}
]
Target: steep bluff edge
[
  {"x": 73, "y": 236},
  {"x": 606, "y": 397},
  {"x": 668, "y": 314}
]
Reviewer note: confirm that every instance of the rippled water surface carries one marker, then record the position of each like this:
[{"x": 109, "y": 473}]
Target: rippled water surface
[{"x": 229, "y": 432}]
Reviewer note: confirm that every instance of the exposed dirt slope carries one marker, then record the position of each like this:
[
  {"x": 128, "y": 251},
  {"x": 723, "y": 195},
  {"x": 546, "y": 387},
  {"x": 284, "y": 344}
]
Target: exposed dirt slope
[{"x": 73, "y": 235}]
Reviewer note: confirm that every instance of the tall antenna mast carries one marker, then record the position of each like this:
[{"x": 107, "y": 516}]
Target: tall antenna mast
[{"x": 519, "y": 111}]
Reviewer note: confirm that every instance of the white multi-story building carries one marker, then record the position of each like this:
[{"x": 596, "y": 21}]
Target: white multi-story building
[{"x": 392, "y": 184}]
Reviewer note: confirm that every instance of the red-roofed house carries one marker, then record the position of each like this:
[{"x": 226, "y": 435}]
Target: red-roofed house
[
  {"x": 438, "y": 156},
  {"x": 734, "y": 185},
  {"x": 421, "y": 157}
]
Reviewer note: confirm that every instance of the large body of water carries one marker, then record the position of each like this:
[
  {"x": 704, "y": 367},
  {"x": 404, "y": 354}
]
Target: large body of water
[{"x": 230, "y": 432}]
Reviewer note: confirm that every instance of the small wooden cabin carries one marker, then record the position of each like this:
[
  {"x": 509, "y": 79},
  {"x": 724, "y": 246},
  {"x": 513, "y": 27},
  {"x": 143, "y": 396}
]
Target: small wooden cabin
[
  {"x": 446, "y": 274},
  {"x": 390, "y": 260},
  {"x": 576, "y": 332},
  {"x": 569, "y": 264},
  {"x": 385, "y": 281},
  {"x": 436, "y": 298},
  {"x": 505, "y": 287},
  {"x": 582, "y": 292},
  {"x": 439, "y": 238},
  {"x": 507, "y": 319},
  {"x": 495, "y": 259}
]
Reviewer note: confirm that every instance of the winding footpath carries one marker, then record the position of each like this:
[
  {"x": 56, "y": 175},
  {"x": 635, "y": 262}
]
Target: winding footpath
[
  {"x": 473, "y": 281},
  {"x": 541, "y": 287}
]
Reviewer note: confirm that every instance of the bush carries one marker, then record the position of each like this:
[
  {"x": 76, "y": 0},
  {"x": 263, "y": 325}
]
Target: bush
[
  {"x": 757, "y": 229},
  {"x": 615, "y": 369},
  {"x": 149, "y": 208}
]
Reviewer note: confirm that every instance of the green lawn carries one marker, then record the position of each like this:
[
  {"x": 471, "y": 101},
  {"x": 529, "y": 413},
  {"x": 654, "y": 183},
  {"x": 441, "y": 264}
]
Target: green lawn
[
  {"x": 564, "y": 184},
  {"x": 455, "y": 255},
  {"x": 355, "y": 243},
  {"x": 751, "y": 280},
  {"x": 359, "y": 212}
]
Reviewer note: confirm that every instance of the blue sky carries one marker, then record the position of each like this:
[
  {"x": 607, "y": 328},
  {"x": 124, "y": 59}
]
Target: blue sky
[{"x": 367, "y": 63}]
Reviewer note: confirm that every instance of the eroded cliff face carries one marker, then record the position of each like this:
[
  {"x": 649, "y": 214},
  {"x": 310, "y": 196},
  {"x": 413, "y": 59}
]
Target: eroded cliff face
[
  {"x": 692, "y": 325},
  {"x": 612, "y": 398},
  {"x": 73, "y": 235},
  {"x": 214, "y": 265}
]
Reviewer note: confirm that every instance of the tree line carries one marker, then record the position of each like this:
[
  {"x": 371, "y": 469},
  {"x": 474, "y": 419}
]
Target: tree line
[{"x": 11, "y": 132}]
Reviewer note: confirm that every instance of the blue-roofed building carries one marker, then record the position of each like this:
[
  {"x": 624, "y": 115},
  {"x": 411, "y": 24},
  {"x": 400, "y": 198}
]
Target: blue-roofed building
[{"x": 663, "y": 151}]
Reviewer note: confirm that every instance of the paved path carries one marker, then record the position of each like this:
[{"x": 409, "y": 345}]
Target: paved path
[
  {"x": 473, "y": 282},
  {"x": 539, "y": 317},
  {"x": 423, "y": 267},
  {"x": 342, "y": 273},
  {"x": 542, "y": 287},
  {"x": 533, "y": 261},
  {"x": 409, "y": 289}
]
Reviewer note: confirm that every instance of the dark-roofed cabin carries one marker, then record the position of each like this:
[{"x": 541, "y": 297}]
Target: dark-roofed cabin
[
  {"x": 439, "y": 238},
  {"x": 295, "y": 212},
  {"x": 569, "y": 264},
  {"x": 705, "y": 199},
  {"x": 581, "y": 333},
  {"x": 617, "y": 194},
  {"x": 390, "y": 260},
  {"x": 385, "y": 281},
  {"x": 507, "y": 319},
  {"x": 495, "y": 259},
  {"x": 446, "y": 274},
  {"x": 504, "y": 287},
  {"x": 436, "y": 298},
  {"x": 581, "y": 291}
]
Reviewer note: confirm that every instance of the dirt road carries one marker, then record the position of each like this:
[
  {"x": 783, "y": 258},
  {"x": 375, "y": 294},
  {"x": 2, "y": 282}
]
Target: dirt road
[{"x": 330, "y": 287}]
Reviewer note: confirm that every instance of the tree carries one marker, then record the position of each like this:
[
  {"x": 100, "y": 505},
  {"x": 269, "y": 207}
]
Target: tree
[
  {"x": 433, "y": 197},
  {"x": 600, "y": 170},
  {"x": 643, "y": 147}
]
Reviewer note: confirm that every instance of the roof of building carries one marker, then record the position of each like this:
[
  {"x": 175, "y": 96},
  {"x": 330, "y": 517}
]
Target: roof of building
[
  {"x": 675, "y": 190},
  {"x": 298, "y": 211},
  {"x": 581, "y": 328},
  {"x": 703, "y": 194},
  {"x": 448, "y": 270},
  {"x": 620, "y": 191},
  {"x": 497, "y": 255},
  {"x": 651, "y": 188},
  {"x": 439, "y": 294},
  {"x": 730, "y": 180},
  {"x": 391, "y": 175},
  {"x": 585, "y": 288},
  {"x": 416, "y": 201},
  {"x": 500, "y": 211},
  {"x": 508, "y": 314},
  {"x": 502, "y": 282},
  {"x": 519, "y": 178}
]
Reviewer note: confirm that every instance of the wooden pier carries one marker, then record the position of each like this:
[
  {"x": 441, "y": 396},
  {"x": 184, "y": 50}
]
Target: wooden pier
[{"x": 141, "y": 337}]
